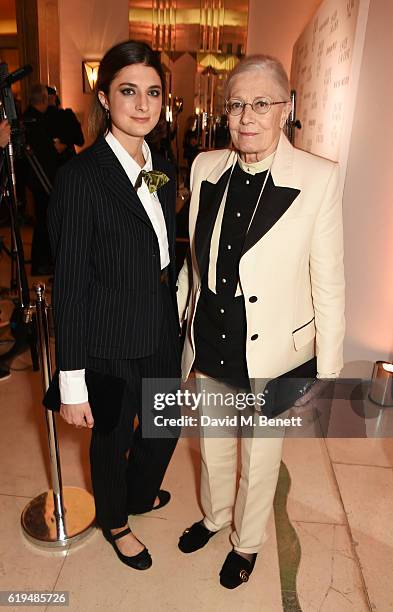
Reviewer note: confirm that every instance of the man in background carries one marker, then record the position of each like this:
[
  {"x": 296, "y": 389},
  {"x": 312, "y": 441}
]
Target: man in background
[
  {"x": 63, "y": 126},
  {"x": 40, "y": 141}
]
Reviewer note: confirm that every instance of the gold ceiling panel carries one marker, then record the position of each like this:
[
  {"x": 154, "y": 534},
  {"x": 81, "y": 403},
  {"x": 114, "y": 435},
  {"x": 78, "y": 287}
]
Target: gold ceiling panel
[
  {"x": 186, "y": 16},
  {"x": 219, "y": 26}
]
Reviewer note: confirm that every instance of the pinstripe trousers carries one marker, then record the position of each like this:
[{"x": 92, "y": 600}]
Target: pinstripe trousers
[{"x": 127, "y": 469}]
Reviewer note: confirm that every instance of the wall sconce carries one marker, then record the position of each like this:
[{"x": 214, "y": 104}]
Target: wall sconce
[
  {"x": 90, "y": 75},
  {"x": 381, "y": 388}
]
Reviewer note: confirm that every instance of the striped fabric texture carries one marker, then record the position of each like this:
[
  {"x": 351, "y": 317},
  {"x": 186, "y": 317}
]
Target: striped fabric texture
[{"x": 107, "y": 298}]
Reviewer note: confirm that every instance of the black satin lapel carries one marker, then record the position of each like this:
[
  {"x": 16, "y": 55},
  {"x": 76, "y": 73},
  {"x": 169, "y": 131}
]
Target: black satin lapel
[
  {"x": 210, "y": 197},
  {"x": 274, "y": 203},
  {"x": 118, "y": 182}
]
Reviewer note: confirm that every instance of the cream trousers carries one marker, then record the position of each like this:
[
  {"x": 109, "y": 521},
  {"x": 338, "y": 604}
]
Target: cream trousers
[{"x": 247, "y": 504}]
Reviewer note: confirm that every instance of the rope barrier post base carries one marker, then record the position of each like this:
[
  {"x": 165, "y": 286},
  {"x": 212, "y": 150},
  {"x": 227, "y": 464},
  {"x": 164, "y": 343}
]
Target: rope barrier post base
[
  {"x": 39, "y": 521},
  {"x": 62, "y": 515}
]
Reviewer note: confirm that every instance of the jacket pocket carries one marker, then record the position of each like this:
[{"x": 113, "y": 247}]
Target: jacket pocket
[{"x": 304, "y": 334}]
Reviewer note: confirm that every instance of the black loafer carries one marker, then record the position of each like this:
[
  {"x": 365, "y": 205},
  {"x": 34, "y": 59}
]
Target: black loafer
[
  {"x": 163, "y": 496},
  {"x": 194, "y": 538},
  {"x": 236, "y": 570},
  {"x": 141, "y": 561}
]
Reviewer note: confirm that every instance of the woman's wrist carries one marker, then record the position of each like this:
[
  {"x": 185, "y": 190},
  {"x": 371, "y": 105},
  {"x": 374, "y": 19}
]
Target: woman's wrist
[{"x": 73, "y": 389}]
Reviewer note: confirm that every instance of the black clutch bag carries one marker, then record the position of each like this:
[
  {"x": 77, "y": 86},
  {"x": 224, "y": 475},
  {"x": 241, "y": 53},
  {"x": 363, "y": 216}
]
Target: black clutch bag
[
  {"x": 105, "y": 398},
  {"x": 283, "y": 391}
]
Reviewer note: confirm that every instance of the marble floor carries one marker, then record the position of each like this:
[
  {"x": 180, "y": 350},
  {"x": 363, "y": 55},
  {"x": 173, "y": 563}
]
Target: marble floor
[{"x": 330, "y": 545}]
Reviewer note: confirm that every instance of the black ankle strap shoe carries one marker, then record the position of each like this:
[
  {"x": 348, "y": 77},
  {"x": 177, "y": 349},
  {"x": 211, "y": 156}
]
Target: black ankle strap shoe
[
  {"x": 236, "y": 570},
  {"x": 141, "y": 561}
]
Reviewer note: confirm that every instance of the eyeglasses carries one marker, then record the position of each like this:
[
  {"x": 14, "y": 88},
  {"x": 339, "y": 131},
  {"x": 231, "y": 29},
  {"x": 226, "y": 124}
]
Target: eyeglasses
[{"x": 261, "y": 106}]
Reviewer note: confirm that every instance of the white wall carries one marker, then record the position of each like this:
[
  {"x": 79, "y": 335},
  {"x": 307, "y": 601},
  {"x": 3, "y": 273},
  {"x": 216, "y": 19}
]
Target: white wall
[
  {"x": 88, "y": 28},
  {"x": 274, "y": 26},
  {"x": 323, "y": 78},
  {"x": 368, "y": 198}
]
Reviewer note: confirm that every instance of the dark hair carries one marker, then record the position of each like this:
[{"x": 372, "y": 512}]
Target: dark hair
[{"x": 118, "y": 57}]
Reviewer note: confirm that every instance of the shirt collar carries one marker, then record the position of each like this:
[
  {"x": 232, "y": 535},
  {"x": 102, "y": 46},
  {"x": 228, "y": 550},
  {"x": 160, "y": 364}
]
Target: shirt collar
[
  {"x": 129, "y": 164},
  {"x": 255, "y": 167}
]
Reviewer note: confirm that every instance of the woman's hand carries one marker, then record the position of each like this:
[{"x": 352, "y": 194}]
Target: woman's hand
[
  {"x": 313, "y": 391},
  {"x": 77, "y": 414}
]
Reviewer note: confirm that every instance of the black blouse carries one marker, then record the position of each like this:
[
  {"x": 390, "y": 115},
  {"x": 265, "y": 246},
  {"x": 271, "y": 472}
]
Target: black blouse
[{"x": 220, "y": 323}]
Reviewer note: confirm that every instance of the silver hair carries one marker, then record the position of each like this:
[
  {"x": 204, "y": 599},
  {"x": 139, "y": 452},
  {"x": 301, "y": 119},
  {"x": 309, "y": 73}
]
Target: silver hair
[
  {"x": 38, "y": 93},
  {"x": 265, "y": 63}
]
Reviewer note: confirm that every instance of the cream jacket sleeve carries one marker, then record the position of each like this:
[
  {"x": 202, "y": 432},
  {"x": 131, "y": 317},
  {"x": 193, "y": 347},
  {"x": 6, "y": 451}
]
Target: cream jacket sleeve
[
  {"x": 327, "y": 281},
  {"x": 185, "y": 275}
]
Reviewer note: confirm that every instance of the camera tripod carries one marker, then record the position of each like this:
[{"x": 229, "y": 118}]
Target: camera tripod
[{"x": 22, "y": 325}]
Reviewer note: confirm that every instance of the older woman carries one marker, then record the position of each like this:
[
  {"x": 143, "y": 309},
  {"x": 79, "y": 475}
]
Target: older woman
[{"x": 267, "y": 293}]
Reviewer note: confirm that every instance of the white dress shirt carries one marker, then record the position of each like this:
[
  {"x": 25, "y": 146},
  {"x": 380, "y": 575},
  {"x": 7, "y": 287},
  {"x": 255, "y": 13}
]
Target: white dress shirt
[
  {"x": 72, "y": 383},
  {"x": 150, "y": 201}
]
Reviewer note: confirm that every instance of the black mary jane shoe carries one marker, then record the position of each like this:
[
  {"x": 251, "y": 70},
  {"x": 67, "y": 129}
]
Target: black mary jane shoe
[
  {"x": 164, "y": 498},
  {"x": 141, "y": 561},
  {"x": 194, "y": 538},
  {"x": 236, "y": 570}
]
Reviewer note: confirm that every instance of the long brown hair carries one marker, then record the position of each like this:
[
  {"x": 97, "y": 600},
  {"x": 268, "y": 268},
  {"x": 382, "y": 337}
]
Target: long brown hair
[{"x": 118, "y": 57}]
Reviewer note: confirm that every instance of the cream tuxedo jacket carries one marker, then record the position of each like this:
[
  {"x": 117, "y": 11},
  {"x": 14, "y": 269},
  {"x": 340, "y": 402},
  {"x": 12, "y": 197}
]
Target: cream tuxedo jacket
[{"x": 291, "y": 270}]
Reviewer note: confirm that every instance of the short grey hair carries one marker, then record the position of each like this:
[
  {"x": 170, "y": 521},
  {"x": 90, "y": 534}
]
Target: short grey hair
[
  {"x": 265, "y": 63},
  {"x": 38, "y": 93}
]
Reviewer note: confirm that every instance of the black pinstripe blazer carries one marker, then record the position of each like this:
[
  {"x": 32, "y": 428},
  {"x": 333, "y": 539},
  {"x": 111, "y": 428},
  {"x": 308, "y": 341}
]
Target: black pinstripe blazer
[{"x": 107, "y": 297}]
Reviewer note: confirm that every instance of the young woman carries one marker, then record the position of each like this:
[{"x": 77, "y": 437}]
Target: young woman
[{"x": 113, "y": 239}]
